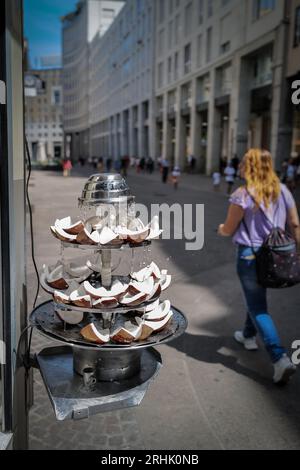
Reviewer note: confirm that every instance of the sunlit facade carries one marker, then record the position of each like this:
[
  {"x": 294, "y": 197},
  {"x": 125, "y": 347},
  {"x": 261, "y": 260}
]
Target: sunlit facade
[{"x": 176, "y": 78}]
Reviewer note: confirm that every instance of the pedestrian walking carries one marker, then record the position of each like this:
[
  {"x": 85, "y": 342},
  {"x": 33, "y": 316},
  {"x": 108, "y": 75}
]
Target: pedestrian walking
[
  {"x": 291, "y": 175},
  {"x": 165, "y": 170},
  {"x": 255, "y": 209},
  {"x": 176, "y": 176},
  {"x": 229, "y": 177},
  {"x": 216, "y": 177},
  {"x": 67, "y": 167}
]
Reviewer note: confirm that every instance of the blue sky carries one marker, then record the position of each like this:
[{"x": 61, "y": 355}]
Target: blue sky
[{"x": 42, "y": 26}]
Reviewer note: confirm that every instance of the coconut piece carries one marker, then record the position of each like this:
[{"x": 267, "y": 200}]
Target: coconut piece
[
  {"x": 70, "y": 316},
  {"x": 87, "y": 236},
  {"x": 90, "y": 333},
  {"x": 136, "y": 225},
  {"x": 80, "y": 298},
  {"x": 64, "y": 297},
  {"x": 107, "y": 236},
  {"x": 154, "y": 229},
  {"x": 63, "y": 236},
  {"x": 159, "y": 313},
  {"x": 69, "y": 227},
  {"x": 133, "y": 301},
  {"x": 165, "y": 281},
  {"x": 155, "y": 292},
  {"x": 95, "y": 222},
  {"x": 79, "y": 272},
  {"x": 55, "y": 278},
  {"x": 138, "y": 236},
  {"x": 152, "y": 306},
  {"x": 106, "y": 302},
  {"x": 155, "y": 271},
  {"x": 145, "y": 287},
  {"x": 150, "y": 327},
  {"x": 128, "y": 333},
  {"x": 142, "y": 275},
  {"x": 117, "y": 289}
]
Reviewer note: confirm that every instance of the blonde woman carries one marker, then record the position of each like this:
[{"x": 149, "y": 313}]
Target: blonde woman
[{"x": 263, "y": 189}]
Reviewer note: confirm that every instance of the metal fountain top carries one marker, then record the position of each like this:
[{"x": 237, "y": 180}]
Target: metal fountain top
[{"x": 106, "y": 188}]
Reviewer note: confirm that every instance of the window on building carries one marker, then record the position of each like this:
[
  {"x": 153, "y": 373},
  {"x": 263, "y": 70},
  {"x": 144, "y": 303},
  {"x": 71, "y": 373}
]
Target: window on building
[
  {"x": 225, "y": 47},
  {"x": 297, "y": 28},
  {"x": 209, "y": 45},
  {"x": 187, "y": 58},
  {"x": 161, "y": 12},
  {"x": 161, "y": 44},
  {"x": 210, "y": 10},
  {"x": 170, "y": 63},
  {"x": 170, "y": 34},
  {"x": 188, "y": 19},
  {"x": 199, "y": 51},
  {"x": 176, "y": 66},
  {"x": 262, "y": 8},
  {"x": 177, "y": 29},
  {"x": 160, "y": 74},
  {"x": 200, "y": 11}
]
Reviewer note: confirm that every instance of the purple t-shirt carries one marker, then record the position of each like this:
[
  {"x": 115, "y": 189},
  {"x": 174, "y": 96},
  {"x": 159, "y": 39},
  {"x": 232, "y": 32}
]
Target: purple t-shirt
[{"x": 258, "y": 225}]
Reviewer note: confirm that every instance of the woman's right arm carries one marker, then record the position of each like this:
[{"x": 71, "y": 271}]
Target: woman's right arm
[{"x": 294, "y": 224}]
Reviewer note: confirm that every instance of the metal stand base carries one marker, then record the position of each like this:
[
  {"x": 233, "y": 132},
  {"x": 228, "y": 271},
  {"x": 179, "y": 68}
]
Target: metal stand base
[
  {"x": 109, "y": 366},
  {"x": 71, "y": 399}
]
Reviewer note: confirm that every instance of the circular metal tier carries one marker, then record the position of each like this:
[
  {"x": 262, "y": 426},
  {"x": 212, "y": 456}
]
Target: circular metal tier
[
  {"x": 120, "y": 309},
  {"x": 49, "y": 324},
  {"x": 105, "y": 189},
  {"x": 99, "y": 248}
]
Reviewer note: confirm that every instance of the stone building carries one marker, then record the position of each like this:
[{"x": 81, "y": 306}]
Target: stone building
[
  {"x": 43, "y": 114},
  {"x": 180, "y": 78}
]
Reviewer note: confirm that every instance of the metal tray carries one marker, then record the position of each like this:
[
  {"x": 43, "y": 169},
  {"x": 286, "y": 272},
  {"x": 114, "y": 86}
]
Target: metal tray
[{"x": 49, "y": 324}]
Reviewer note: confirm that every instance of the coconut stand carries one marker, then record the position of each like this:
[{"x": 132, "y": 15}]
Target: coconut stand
[{"x": 102, "y": 364}]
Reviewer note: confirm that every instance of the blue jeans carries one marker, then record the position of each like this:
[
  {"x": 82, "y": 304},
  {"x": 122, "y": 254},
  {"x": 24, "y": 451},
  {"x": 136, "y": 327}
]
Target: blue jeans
[{"x": 258, "y": 318}]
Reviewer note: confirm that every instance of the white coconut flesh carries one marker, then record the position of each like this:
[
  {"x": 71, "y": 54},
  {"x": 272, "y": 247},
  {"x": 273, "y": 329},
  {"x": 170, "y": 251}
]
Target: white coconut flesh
[
  {"x": 69, "y": 227},
  {"x": 150, "y": 327},
  {"x": 107, "y": 236},
  {"x": 91, "y": 333},
  {"x": 136, "y": 225},
  {"x": 64, "y": 296},
  {"x": 145, "y": 287},
  {"x": 78, "y": 270},
  {"x": 130, "y": 300},
  {"x": 159, "y": 313},
  {"x": 152, "y": 306},
  {"x": 118, "y": 288},
  {"x": 127, "y": 332},
  {"x": 80, "y": 295},
  {"x": 70, "y": 317},
  {"x": 156, "y": 290},
  {"x": 142, "y": 275},
  {"x": 165, "y": 282},
  {"x": 62, "y": 234},
  {"x": 108, "y": 302}
]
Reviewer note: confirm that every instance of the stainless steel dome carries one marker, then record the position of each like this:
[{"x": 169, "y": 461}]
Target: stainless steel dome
[{"x": 105, "y": 188}]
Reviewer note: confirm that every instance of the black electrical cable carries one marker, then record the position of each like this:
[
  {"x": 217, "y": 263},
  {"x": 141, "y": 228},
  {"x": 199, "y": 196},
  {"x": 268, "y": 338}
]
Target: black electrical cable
[{"x": 31, "y": 223}]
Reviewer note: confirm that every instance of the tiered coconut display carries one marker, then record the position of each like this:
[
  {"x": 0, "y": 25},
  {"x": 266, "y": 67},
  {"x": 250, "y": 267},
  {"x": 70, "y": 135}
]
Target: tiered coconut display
[{"x": 130, "y": 305}]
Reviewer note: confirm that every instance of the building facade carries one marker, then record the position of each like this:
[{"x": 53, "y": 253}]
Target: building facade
[
  {"x": 43, "y": 112},
  {"x": 180, "y": 78},
  {"x": 122, "y": 104},
  {"x": 91, "y": 18}
]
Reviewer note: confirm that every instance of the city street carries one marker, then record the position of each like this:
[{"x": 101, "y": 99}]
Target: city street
[{"x": 210, "y": 393}]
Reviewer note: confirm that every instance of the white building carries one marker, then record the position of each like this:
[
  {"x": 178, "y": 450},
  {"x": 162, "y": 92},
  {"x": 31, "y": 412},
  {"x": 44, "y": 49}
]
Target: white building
[
  {"x": 174, "y": 78},
  {"x": 43, "y": 111},
  {"x": 79, "y": 28},
  {"x": 122, "y": 84}
]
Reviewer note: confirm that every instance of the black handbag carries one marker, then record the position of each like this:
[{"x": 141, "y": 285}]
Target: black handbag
[{"x": 277, "y": 261}]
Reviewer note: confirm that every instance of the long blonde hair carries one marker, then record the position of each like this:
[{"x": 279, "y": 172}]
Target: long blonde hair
[{"x": 261, "y": 179}]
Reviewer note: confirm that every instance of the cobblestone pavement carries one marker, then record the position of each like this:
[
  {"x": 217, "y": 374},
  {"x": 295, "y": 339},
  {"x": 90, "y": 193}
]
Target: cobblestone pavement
[{"x": 210, "y": 394}]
